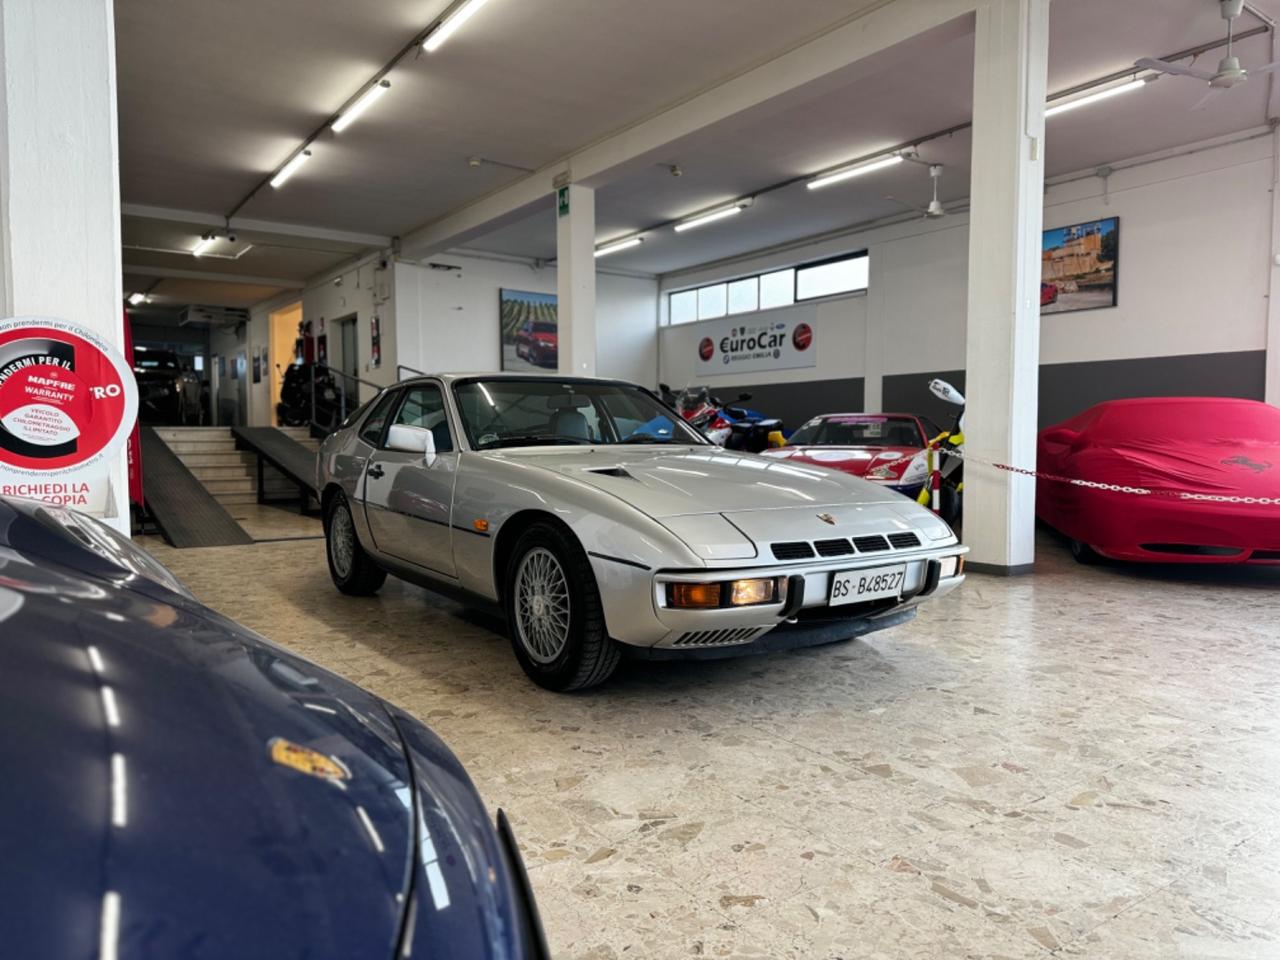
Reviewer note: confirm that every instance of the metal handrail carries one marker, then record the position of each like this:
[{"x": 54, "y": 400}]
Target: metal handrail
[
  {"x": 401, "y": 367},
  {"x": 342, "y": 393}
]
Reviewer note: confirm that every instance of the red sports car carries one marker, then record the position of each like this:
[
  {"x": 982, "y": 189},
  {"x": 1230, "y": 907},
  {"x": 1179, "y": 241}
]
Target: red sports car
[
  {"x": 1184, "y": 450},
  {"x": 887, "y": 448},
  {"x": 1048, "y": 294},
  {"x": 536, "y": 341}
]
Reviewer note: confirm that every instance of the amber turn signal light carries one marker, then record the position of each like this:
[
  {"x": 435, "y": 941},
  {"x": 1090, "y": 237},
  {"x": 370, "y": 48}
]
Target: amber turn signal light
[{"x": 694, "y": 595}]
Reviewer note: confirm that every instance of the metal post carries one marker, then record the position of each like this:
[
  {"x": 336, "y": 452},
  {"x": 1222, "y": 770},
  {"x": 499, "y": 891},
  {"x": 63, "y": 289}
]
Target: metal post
[{"x": 313, "y": 393}]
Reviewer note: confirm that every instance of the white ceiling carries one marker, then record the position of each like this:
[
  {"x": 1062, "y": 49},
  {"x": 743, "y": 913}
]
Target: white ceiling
[
  {"x": 214, "y": 96},
  {"x": 926, "y": 86}
]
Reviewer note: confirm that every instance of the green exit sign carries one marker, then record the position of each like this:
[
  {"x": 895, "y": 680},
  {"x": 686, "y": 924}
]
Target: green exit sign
[{"x": 562, "y": 202}]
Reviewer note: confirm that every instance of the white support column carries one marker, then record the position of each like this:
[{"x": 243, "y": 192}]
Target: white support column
[
  {"x": 576, "y": 281},
  {"x": 59, "y": 176},
  {"x": 1272, "y": 360},
  {"x": 1003, "y": 343}
]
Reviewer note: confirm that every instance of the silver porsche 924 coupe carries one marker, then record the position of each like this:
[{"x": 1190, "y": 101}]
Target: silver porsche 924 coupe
[{"x": 596, "y": 519}]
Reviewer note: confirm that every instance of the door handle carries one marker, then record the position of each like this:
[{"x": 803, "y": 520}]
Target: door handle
[{"x": 376, "y": 471}]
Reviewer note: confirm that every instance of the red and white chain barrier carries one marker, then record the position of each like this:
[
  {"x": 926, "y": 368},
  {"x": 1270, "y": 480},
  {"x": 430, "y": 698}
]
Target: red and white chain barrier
[{"x": 1095, "y": 485}]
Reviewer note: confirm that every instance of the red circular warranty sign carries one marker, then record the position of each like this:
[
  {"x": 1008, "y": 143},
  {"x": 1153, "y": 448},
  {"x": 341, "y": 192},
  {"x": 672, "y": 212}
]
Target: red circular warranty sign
[
  {"x": 802, "y": 336},
  {"x": 706, "y": 348},
  {"x": 66, "y": 395}
]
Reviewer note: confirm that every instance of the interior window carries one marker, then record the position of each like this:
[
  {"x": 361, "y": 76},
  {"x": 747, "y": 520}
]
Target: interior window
[
  {"x": 424, "y": 407},
  {"x": 371, "y": 432}
]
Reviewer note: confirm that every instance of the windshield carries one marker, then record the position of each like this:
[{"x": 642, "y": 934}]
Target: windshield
[
  {"x": 859, "y": 431},
  {"x": 154, "y": 360},
  {"x": 538, "y": 411}
]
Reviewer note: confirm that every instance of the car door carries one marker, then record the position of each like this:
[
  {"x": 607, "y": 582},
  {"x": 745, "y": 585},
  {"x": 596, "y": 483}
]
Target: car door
[{"x": 409, "y": 496}]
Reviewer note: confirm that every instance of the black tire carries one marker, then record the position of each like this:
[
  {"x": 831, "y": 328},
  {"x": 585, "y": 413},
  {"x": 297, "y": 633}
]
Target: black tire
[
  {"x": 589, "y": 655},
  {"x": 1081, "y": 552},
  {"x": 362, "y": 577}
]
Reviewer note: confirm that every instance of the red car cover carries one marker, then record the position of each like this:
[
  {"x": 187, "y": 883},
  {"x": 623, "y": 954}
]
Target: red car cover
[{"x": 1172, "y": 446}]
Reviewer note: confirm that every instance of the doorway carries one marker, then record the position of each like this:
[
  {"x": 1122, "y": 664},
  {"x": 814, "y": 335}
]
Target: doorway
[
  {"x": 349, "y": 362},
  {"x": 283, "y": 330}
]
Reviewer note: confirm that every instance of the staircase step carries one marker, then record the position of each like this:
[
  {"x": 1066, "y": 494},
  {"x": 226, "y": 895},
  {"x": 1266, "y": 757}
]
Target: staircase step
[
  {"x": 223, "y": 458},
  {"x": 234, "y": 471},
  {"x": 201, "y": 446},
  {"x": 238, "y": 485}
]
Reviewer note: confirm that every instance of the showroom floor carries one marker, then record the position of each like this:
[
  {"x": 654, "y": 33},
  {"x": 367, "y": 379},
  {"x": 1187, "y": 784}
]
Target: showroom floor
[{"x": 1084, "y": 762}]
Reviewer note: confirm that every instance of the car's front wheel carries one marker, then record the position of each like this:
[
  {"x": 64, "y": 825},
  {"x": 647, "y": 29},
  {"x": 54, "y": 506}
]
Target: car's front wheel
[
  {"x": 554, "y": 613},
  {"x": 353, "y": 571},
  {"x": 1083, "y": 553}
]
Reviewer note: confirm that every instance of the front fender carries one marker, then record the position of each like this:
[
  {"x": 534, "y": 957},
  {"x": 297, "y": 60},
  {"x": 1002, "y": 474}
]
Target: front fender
[{"x": 624, "y": 545}]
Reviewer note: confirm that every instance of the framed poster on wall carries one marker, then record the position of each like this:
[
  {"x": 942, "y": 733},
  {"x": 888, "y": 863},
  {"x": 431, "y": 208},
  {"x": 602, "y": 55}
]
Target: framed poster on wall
[
  {"x": 1080, "y": 266},
  {"x": 530, "y": 330}
]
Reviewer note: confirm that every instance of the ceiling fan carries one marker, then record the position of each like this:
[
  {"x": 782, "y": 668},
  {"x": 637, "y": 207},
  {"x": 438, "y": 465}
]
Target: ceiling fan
[
  {"x": 1229, "y": 73},
  {"x": 935, "y": 209}
]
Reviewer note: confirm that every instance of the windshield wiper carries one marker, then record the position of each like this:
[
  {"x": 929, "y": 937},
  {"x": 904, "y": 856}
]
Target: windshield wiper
[{"x": 531, "y": 440}]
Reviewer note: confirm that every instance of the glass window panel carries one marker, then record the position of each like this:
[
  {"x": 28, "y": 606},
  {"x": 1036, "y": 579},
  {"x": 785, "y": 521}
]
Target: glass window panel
[
  {"x": 744, "y": 295},
  {"x": 777, "y": 289},
  {"x": 684, "y": 306},
  {"x": 828, "y": 279},
  {"x": 712, "y": 301}
]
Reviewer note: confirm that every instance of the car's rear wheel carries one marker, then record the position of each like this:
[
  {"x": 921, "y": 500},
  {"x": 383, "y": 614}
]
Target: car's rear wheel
[
  {"x": 554, "y": 614},
  {"x": 353, "y": 571},
  {"x": 1081, "y": 552}
]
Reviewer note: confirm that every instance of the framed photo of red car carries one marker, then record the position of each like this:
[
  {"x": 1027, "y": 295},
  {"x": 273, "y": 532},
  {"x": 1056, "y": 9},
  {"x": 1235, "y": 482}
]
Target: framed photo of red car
[
  {"x": 530, "y": 330},
  {"x": 1080, "y": 266}
]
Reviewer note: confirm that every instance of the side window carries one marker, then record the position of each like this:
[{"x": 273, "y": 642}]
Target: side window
[
  {"x": 424, "y": 407},
  {"x": 371, "y": 432}
]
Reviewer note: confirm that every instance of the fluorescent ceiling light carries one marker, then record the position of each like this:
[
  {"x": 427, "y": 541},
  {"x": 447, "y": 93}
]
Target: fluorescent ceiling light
[
  {"x": 205, "y": 243},
  {"x": 136, "y": 299},
  {"x": 1094, "y": 97},
  {"x": 607, "y": 248},
  {"x": 711, "y": 217},
  {"x": 366, "y": 101},
  {"x": 450, "y": 26},
  {"x": 290, "y": 168},
  {"x": 857, "y": 170}
]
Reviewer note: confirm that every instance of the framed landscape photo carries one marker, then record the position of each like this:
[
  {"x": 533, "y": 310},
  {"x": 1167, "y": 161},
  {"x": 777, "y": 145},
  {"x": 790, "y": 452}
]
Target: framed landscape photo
[
  {"x": 530, "y": 334},
  {"x": 1080, "y": 266}
]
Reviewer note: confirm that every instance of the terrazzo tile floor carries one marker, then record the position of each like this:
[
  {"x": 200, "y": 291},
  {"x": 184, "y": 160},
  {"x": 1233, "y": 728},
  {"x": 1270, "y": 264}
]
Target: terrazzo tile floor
[{"x": 1084, "y": 762}]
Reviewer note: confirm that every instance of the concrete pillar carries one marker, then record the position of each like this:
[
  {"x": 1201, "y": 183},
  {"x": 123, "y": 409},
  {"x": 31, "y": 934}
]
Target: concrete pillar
[
  {"x": 59, "y": 170},
  {"x": 1002, "y": 353},
  {"x": 576, "y": 280},
  {"x": 1273, "y": 299}
]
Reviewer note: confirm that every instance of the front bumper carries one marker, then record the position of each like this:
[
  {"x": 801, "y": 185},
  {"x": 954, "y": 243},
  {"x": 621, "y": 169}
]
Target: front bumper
[{"x": 637, "y": 614}]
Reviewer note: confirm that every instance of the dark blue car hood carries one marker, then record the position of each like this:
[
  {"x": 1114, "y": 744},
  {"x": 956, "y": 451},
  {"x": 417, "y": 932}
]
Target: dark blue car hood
[{"x": 182, "y": 785}]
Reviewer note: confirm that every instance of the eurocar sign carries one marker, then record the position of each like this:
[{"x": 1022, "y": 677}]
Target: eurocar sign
[{"x": 734, "y": 345}]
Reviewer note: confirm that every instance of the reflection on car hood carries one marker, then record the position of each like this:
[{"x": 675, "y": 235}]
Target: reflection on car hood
[
  {"x": 854, "y": 460},
  {"x": 690, "y": 480},
  {"x": 226, "y": 798}
]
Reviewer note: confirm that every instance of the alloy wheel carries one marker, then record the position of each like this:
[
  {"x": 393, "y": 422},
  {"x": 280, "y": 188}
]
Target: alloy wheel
[
  {"x": 342, "y": 541},
  {"x": 542, "y": 605}
]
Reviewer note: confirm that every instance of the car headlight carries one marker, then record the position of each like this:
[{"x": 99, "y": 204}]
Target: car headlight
[
  {"x": 109, "y": 545},
  {"x": 727, "y": 593}
]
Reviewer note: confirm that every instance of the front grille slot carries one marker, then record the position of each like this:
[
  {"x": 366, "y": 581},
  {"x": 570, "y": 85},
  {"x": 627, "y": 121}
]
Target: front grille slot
[
  {"x": 833, "y": 548},
  {"x": 712, "y": 638},
  {"x": 872, "y": 544},
  {"x": 792, "y": 550},
  {"x": 903, "y": 541}
]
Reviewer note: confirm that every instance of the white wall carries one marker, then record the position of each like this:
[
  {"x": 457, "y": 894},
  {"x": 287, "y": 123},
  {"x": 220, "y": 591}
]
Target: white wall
[
  {"x": 366, "y": 290},
  {"x": 448, "y": 319},
  {"x": 1194, "y": 263}
]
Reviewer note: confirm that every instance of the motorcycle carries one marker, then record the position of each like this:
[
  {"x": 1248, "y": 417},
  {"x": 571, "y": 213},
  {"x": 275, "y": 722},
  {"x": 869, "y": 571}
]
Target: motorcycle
[
  {"x": 729, "y": 426},
  {"x": 947, "y": 447},
  {"x": 295, "y": 408}
]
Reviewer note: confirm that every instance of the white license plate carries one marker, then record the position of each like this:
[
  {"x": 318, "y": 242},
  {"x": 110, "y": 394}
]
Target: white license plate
[{"x": 856, "y": 586}]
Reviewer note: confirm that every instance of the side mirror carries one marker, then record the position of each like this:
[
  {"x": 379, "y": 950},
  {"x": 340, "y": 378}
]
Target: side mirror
[
  {"x": 410, "y": 439},
  {"x": 945, "y": 391},
  {"x": 744, "y": 397},
  {"x": 664, "y": 388},
  {"x": 1060, "y": 435}
]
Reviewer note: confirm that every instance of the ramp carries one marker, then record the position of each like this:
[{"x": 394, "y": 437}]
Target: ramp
[
  {"x": 283, "y": 453},
  {"x": 181, "y": 507}
]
